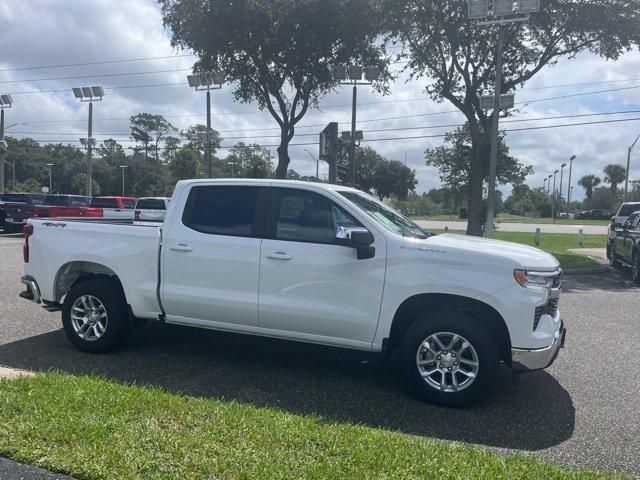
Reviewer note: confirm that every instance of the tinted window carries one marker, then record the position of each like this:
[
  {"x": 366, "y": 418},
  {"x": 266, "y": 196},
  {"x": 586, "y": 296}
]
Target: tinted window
[
  {"x": 104, "y": 203},
  {"x": 628, "y": 208},
  {"x": 57, "y": 200},
  {"x": 130, "y": 203},
  {"x": 79, "y": 201},
  {"x": 13, "y": 197},
  {"x": 309, "y": 217},
  {"x": 34, "y": 198},
  {"x": 151, "y": 204},
  {"x": 222, "y": 210}
]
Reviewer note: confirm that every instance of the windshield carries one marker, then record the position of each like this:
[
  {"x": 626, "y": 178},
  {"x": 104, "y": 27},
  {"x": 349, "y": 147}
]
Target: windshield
[
  {"x": 628, "y": 208},
  {"x": 384, "y": 215}
]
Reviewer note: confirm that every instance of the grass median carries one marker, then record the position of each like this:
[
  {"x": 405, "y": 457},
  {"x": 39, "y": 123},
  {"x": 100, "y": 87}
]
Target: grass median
[
  {"x": 93, "y": 429},
  {"x": 506, "y": 218},
  {"x": 557, "y": 244}
]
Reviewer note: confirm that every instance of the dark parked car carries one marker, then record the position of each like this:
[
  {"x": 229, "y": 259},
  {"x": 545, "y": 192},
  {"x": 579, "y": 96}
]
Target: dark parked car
[
  {"x": 625, "y": 246},
  {"x": 595, "y": 214},
  {"x": 21, "y": 206}
]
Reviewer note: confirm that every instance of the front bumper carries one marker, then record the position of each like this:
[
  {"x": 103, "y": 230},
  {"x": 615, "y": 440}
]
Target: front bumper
[{"x": 524, "y": 360}]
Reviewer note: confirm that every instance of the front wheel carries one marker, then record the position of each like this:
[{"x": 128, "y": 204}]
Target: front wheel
[
  {"x": 635, "y": 268},
  {"x": 94, "y": 315},
  {"x": 613, "y": 257},
  {"x": 449, "y": 358}
]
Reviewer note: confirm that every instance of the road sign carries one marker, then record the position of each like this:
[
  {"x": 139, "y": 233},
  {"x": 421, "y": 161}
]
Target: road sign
[{"x": 506, "y": 101}]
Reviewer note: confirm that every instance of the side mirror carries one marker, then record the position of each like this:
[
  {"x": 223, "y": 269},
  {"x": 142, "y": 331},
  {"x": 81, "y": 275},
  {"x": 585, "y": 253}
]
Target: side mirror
[{"x": 359, "y": 238}]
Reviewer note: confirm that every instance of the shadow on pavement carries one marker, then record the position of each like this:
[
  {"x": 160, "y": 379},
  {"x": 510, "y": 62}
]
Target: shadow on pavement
[
  {"x": 338, "y": 384},
  {"x": 613, "y": 280}
]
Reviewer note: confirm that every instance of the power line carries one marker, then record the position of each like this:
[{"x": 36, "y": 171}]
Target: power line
[
  {"x": 102, "y": 75},
  {"x": 421, "y": 127},
  {"x": 104, "y": 62}
]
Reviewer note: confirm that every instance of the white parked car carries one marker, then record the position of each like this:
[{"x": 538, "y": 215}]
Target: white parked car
[
  {"x": 151, "y": 209},
  {"x": 310, "y": 262}
]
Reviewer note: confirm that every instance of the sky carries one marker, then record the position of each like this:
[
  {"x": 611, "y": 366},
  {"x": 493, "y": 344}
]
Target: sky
[{"x": 47, "y": 33}]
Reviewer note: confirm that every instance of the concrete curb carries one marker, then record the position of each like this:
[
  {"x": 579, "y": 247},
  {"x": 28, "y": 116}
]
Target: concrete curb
[{"x": 11, "y": 373}]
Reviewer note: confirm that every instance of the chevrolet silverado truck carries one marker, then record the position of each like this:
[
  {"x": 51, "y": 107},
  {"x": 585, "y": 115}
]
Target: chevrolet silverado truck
[
  {"x": 309, "y": 262},
  {"x": 625, "y": 246}
]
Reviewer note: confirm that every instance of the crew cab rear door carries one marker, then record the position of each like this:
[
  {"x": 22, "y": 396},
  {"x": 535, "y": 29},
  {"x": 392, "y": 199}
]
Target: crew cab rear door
[
  {"x": 211, "y": 256},
  {"x": 311, "y": 287}
]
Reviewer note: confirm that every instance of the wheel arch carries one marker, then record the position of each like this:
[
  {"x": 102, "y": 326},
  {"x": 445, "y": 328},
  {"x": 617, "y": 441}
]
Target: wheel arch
[
  {"x": 415, "y": 306},
  {"x": 72, "y": 272}
]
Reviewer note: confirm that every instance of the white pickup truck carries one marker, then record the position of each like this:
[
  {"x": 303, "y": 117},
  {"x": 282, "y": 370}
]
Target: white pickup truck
[{"x": 310, "y": 262}]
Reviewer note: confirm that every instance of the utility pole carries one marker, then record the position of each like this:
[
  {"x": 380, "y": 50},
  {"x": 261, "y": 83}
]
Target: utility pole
[
  {"x": 549, "y": 184},
  {"x": 544, "y": 184},
  {"x": 626, "y": 179},
  {"x": 569, "y": 190},
  {"x": 553, "y": 197},
  {"x": 317, "y": 160},
  {"x": 352, "y": 144},
  {"x": 560, "y": 189},
  {"x": 5, "y": 102}
]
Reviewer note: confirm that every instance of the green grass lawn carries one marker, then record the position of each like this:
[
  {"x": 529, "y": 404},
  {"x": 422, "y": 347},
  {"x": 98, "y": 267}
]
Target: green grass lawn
[
  {"x": 94, "y": 429},
  {"x": 558, "y": 244},
  {"x": 506, "y": 218}
]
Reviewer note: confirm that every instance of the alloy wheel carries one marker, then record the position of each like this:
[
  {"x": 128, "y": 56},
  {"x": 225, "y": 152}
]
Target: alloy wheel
[{"x": 89, "y": 318}]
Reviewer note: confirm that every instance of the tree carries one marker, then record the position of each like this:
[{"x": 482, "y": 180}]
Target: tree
[
  {"x": 149, "y": 129},
  {"x": 393, "y": 177},
  {"x": 458, "y": 56},
  {"x": 454, "y": 160},
  {"x": 195, "y": 142},
  {"x": 278, "y": 52},
  {"x": 589, "y": 182},
  {"x": 613, "y": 175},
  {"x": 248, "y": 161},
  {"x": 183, "y": 165}
]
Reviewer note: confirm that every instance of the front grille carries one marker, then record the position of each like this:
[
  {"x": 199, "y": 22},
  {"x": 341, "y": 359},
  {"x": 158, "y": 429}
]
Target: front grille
[{"x": 549, "y": 309}]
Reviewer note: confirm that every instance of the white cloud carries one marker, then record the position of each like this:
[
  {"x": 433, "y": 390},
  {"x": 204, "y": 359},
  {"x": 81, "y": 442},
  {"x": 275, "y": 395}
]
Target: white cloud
[{"x": 50, "y": 32}]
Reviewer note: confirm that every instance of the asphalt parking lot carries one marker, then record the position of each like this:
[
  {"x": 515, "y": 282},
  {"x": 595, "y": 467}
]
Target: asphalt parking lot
[{"x": 581, "y": 412}]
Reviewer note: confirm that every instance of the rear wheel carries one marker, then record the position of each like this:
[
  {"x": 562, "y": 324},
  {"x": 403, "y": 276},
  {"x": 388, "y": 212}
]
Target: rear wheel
[
  {"x": 94, "y": 315},
  {"x": 449, "y": 359}
]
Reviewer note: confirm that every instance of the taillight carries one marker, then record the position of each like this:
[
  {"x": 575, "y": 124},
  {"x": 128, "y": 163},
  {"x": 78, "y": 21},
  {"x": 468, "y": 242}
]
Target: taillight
[{"x": 28, "y": 231}]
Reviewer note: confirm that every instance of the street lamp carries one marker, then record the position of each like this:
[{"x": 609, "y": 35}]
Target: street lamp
[
  {"x": 90, "y": 95},
  {"x": 503, "y": 12},
  {"x": 207, "y": 82},
  {"x": 122, "y": 167},
  {"x": 5, "y": 102},
  {"x": 50, "y": 165},
  {"x": 352, "y": 75},
  {"x": 549, "y": 183},
  {"x": 560, "y": 189},
  {"x": 626, "y": 179},
  {"x": 573, "y": 157},
  {"x": 544, "y": 184}
]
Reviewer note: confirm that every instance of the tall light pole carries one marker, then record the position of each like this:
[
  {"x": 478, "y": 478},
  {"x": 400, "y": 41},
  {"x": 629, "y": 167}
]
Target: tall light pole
[
  {"x": 122, "y": 167},
  {"x": 549, "y": 184},
  {"x": 503, "y": 12},
  {"x": 352, "y": 75},
  {"x": 5, "y": 102},
  {"x": 544, "y": 184},
  {"x": 560, "y": 189},
  {"x": 317, "y": 163},
  {"x": 569, "y": 190},
  {"x": 90, "y": 95},
  {"x": 626, "y": 179},
  {"x": 553, "y": 197},
  {"x": 207, "y": 82},
  {"x": 50, "y": 165}
]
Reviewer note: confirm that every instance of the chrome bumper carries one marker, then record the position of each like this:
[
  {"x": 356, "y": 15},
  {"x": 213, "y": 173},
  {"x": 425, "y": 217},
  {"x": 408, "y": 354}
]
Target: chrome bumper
[
  {"x": 527, "y": 360},
  {"x": 33, "y": 291}
]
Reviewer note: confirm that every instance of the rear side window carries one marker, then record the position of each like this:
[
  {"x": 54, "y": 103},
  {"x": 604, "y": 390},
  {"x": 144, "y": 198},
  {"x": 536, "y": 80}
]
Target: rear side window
[
  {"x": 223, "y": 210},
  {"x": 628, "y": 208},
  {"x": 104, "y": 203},
  {"x": 57, "y": 200},
  {"x": 151, "y": 204},
  {"x": 79, "y": 201},
  {"x": 129, "y": 203}
]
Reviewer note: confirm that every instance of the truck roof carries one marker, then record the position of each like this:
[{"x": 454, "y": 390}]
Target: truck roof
[{"x": 272, "y": 181}]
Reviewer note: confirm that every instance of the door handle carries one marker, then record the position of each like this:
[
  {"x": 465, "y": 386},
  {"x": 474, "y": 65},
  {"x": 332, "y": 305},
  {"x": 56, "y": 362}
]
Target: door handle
[
  {"x": 181, "y": 247},
  {"x": 279, "y": 256}
]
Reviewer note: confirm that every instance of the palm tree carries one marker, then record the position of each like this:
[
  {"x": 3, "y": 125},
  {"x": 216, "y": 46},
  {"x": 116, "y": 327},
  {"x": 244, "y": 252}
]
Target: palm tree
[
  {"x": 613, "y": 175},
  {"x": 589, "y": 182}
]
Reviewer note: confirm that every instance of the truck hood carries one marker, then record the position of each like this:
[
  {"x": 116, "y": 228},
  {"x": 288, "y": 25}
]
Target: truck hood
[{"x": 522, "y": 255}]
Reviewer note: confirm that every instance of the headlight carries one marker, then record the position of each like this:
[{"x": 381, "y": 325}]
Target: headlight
[{"x": 535, "y": 279}]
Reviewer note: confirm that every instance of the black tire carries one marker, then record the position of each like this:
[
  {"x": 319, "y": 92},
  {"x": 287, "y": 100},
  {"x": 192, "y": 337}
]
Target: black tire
[
  {"x": 109, "y": 292},
  {"x": 466, "y": 326},
  {"x": 613, "y": 257},
  {"x": 635, "y": 268}
]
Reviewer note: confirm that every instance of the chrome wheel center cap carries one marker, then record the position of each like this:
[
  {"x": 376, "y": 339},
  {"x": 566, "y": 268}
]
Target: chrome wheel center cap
[{"x": 448, "y": 360}]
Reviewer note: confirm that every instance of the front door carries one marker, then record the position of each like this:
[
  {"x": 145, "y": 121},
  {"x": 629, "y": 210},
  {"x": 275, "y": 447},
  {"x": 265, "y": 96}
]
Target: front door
[
  {"x": 310, "y": 287},
  {"x": 211, "y": 257}
]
